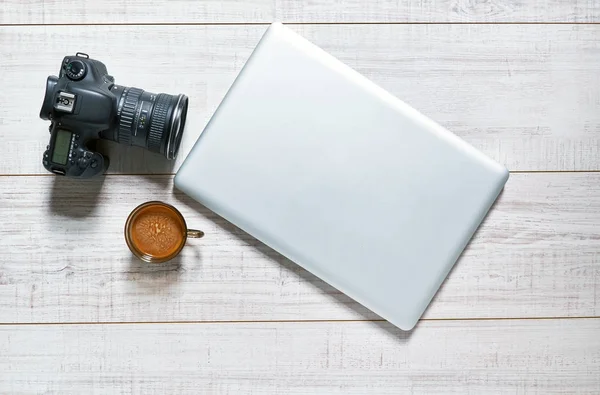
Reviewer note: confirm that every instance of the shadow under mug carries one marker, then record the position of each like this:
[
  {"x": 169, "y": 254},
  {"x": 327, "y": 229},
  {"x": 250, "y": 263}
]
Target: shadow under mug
[{"x": 156, "y": 232}]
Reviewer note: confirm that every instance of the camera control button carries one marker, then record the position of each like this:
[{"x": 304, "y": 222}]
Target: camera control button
[
  {"x": 94, "y": 164},
  {"x": 87, "y": 155},
  {"x": 83, "y": 163},
  {"x": 45, "y": 163}
]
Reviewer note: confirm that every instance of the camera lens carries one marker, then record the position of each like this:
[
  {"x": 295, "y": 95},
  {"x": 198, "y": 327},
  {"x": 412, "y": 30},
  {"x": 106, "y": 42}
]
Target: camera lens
[{"x": 152, "y": 121}]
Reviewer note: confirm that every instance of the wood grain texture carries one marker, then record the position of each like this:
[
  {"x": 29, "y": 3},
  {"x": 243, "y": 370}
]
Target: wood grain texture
[
  {"x": 438, "y": 11},
  {"x": 322, "y": 11},
  {"x": 135, "y": 11},
  {"x": 517, "y": 357},
  {"x": 63, "y": 259},
  {"x": 526, "y": 95}
]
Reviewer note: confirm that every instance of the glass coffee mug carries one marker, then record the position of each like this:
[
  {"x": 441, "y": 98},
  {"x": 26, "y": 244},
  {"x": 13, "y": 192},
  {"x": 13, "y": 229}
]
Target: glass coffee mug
[{"x": 156, "y": 232}]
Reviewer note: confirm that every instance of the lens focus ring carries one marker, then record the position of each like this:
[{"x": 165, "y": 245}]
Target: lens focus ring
[
  {"x": 159, "y": 122},
  {"x": 128, "y": 114}
]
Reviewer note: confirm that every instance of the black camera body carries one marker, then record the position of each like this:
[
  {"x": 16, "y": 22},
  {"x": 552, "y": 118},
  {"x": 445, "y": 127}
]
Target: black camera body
[{"x": 84, "y": 104}]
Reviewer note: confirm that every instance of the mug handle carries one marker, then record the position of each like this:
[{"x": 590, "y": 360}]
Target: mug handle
[{"x": 194, "y": 233}]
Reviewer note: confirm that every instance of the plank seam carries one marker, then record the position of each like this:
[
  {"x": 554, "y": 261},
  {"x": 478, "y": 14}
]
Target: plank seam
[
  {"x": 173, "y": 174},
  {"x": 296, "y": 321},
  {"x": 287, "y": 23}
]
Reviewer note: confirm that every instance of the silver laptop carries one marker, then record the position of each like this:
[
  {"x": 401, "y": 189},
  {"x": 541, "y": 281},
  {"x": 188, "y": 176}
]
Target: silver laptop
[{"x": 341, "y": 177}]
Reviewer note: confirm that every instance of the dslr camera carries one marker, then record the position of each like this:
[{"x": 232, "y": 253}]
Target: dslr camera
[{"x": 84, "y": 104}]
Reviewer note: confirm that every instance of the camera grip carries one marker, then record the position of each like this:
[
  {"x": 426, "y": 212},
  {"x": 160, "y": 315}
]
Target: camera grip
[{"x": 92, "y": 164}]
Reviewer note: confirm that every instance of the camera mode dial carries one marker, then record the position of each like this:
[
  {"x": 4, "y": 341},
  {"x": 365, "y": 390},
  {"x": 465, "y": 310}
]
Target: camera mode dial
[{"x": 75, "y": 70}]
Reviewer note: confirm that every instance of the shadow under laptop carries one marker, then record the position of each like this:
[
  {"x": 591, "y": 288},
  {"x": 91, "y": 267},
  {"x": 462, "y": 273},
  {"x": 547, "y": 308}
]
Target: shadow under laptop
[
  {"x": 466, "y": 250},
  {"x": 338, "y": 297}
]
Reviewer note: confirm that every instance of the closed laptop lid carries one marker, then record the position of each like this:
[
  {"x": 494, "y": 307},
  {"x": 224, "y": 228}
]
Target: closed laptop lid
[{"x": 346, "y": 180}]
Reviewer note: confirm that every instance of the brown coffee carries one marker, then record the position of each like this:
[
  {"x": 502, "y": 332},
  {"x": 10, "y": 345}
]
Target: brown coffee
[{"x": 158, "y": 231}]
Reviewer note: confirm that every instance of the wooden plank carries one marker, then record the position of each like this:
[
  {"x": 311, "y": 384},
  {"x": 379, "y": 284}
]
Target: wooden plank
[
  {"x": 322, "y": 11},
  {"x": 63, "y": 259},
  {"x": 491, "y": 357},
  {"x": 526, "y": 95},
  {"x": 436, "y": 11},
  {"x": 135, "y": 11}
]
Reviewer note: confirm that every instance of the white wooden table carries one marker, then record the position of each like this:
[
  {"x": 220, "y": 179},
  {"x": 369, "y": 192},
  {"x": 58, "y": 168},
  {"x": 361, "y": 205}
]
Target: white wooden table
[{"x": 520, "y": 313}]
